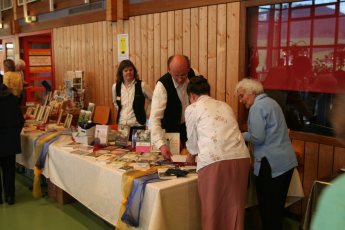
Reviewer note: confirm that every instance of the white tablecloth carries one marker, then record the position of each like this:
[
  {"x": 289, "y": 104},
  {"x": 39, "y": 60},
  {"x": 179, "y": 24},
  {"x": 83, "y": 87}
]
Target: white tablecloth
[
  {"x": 26, "y": 158},
  {"x": 167, "y": 204},
  {"x": 171, "y": 204}
]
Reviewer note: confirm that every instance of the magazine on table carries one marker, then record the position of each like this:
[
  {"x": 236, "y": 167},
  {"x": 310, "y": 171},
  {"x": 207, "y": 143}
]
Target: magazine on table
[
  {"x": 122, "y": 135},
  {"x": 143, "y": 141}
]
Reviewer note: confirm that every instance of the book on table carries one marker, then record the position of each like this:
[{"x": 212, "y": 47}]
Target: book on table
[
  {"x": 143, "y": 141},
  {"x": 122, "y": 135}
]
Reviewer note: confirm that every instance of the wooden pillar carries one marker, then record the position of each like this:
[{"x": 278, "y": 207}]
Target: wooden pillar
[
  {"x": 15, "y": 28},
  {"x": 117, "y": 10}
]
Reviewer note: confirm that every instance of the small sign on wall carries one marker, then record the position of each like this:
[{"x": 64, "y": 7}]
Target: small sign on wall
[
  {"x": 122, "y": 47},
  {"x": 40, "y": 61}
]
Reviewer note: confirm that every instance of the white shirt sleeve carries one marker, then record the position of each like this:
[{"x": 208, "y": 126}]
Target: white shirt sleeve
[
  {"x": 113, "y": 90},
  {"x": 147, "y": 91},
  {"x": 158, "y": 105},
  {"x": 191, "y": 124}
]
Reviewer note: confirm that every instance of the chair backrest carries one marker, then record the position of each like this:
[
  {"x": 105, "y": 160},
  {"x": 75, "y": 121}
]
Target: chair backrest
[{"x": 101, "y": 115}]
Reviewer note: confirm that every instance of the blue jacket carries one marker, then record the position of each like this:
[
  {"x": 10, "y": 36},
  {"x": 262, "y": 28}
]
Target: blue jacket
[{"x": 268, "y": 133}]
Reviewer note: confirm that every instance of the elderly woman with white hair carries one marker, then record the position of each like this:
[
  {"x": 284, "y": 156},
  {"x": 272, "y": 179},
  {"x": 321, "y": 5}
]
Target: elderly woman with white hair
[{"x": 274, "y": 157}]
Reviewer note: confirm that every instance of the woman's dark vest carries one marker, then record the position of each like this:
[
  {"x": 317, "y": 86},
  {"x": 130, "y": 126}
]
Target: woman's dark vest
[
  {"x": 138, "y": 103},
  {"x": 172, "y": 115}
]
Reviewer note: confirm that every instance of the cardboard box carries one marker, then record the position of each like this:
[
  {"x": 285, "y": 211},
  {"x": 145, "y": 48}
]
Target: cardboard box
[
  {"x": 59, "y": 195},
  {"x": 84, "y": 136}
]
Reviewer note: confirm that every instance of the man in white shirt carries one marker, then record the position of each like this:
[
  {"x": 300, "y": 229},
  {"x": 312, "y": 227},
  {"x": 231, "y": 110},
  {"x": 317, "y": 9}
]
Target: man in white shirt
[
  {"x": 223, "y": 158},
  {"x": 169, "y": 102}
]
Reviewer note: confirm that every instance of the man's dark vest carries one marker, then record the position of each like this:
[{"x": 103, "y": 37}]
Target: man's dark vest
[
  {"x": 138, "y": 103},
  {"x": 172, "y": 115}
]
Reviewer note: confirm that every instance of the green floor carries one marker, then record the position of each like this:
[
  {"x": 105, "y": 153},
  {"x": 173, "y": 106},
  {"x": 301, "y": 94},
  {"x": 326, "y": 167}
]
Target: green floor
[{"x": 28, "y": 213}]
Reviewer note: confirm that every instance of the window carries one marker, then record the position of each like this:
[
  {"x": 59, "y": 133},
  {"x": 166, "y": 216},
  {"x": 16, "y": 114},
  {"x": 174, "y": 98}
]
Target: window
[
  {"x": 5, "y": 4},
  {"x": 297, "y": 50},
  {"x": 21, "y": 2}
]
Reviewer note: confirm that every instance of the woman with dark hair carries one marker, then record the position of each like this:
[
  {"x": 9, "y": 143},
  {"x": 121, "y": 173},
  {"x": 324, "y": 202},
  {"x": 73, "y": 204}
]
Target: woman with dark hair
[
  {"x": 223, "y": 159},
  {"x": 129, "y": 94}
]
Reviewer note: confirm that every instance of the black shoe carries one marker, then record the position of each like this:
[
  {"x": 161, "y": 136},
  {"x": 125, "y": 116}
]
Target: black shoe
[
  {"x": 1, "y": 200},
  {"x": 10, "y": 200}
]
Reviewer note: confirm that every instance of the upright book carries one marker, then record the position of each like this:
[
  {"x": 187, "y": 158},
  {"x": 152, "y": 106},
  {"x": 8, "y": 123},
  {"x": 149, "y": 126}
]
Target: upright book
[{"x": 143, "y": 141}]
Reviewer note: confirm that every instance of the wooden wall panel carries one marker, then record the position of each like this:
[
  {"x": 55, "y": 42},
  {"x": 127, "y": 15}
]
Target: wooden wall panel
[
  {"x": 171, "y": 33},
  {"x": 310, "y": 168},
  {"x": 164, "y": 43},
  {"x": 186, "y": 26},
  {"x": 194, "y": 37},
  {"x": 137, "y": 38},
  {"x": 221, "y": 52},
  {"x": 232, "y": 53},
  {"x": 325, "y": 165},
  {"x": 144, "y": 48},
  {"x": 205, "y": 34},
  {"x": 316, "y": 160},
  {"x": 178, "y": 31},
  {"x": 203, "y": 41},
  {"x": 339, "y": 159},
  {"x": 156, "y": 48},
  {"x": 150, "y": 45}
]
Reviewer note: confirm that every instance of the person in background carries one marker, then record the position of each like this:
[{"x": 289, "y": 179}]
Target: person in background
[
  {"x": 274, "y": 157},
  {"x": 169, "y": 102},
  {"x": 129, "y": 94},
  {"x": 214, "y": 136},
  {"x": 12, "y": 79},
  {"x": 20, "y": 67},
  {"x": 11, "y": 124},
  {"x": 331, "y": 206}
]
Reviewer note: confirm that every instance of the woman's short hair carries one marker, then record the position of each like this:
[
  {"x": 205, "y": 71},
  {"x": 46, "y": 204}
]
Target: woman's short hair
[
  {"x": 250, "y": 86},
  {"x": 20, "y": 64},
  {"x": 125, "y": 64},
  {"x": 199, "y": 86},
  {"x": 9, "y": 64}
]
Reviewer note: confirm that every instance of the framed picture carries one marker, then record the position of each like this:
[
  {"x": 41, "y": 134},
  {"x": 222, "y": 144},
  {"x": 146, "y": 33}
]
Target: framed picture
[
  {"x": 46, "y": 114},
  {"x": 40, "y": 113},
  {"x": 102, "y": 132},
  {"x": 29, "y": 111},
  {"x": 47, "y": 98},
  {"x": 59, "y": 117},
  {"x": 68, "y": 121},
  {"x": 35, "y": 112}
]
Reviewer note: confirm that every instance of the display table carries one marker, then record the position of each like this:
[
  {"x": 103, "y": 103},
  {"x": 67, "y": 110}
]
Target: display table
[{"x": 98, "y": 187}]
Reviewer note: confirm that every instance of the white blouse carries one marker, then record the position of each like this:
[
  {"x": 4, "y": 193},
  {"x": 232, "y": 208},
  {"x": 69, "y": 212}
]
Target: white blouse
[{"x": 213, "y": 132}]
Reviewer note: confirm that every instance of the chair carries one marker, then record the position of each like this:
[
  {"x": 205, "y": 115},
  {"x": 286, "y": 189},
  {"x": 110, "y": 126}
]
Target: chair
[{"x": 101, "y": 115}]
